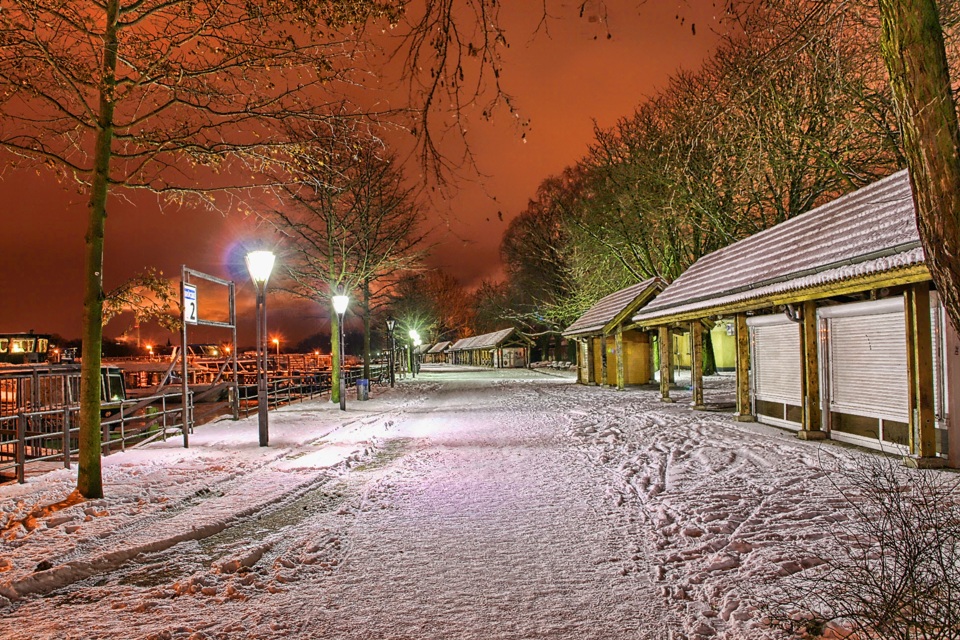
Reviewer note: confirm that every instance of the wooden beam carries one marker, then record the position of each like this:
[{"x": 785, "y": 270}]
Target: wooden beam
[
  {"x": 603, "y": 360},
  {"x": 666, "y": 353},
  {"x": 923, "y": 442},
  {"x": 908, "y": 275},
  {"x": 696, "y": 364},
  {"x": 618, "y": 349},
  {"x": 812, "y": 420},
  {"x": 743, "y": 369}
]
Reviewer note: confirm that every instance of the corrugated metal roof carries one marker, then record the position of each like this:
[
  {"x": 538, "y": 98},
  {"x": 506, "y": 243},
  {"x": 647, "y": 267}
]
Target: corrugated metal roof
[
  {"x": 865, "y": 232},
  {"x": 485, "y": 341},
  {"x": 439, "y": 347},
  {"x": 608, "y": 307}
]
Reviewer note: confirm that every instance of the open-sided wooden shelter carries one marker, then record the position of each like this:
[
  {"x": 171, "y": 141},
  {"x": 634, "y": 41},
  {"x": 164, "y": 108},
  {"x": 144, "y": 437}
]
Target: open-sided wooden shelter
[
  {"x": 507, "y": 348},
  {"x": 437, "y": 353},
  {"x": 838, "y": 327},
  {"x": 606, "y": 353}
]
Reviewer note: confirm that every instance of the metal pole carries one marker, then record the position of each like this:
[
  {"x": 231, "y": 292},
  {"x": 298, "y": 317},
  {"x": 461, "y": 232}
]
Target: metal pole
[
  {"x": 393, "y": 355},
  {"x": 235, "y": 403},
  {"x": 185, "y": 367},
  {"x": 343, "y": 388},
  {"x": 262, "y": 406}
]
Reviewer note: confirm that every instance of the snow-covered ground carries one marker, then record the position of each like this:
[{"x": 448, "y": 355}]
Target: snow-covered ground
[{"x": 462, "y": 504}]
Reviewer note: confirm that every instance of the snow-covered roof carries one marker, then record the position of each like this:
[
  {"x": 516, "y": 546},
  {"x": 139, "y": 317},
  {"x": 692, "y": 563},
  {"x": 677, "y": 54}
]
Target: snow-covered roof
[
  {"x": 608, "y": 308},
  {"x": 422, "y": 348},
  {"x": 867, "y": 232},
  {"x": 484, "y": 341},
  {"x": 439, "y": 347}
]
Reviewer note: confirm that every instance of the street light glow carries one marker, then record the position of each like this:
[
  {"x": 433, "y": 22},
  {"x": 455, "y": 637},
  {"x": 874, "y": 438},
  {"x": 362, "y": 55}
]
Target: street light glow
[
  {"x": 340, "y": 306},
  {"x": 260, "y": 264}
]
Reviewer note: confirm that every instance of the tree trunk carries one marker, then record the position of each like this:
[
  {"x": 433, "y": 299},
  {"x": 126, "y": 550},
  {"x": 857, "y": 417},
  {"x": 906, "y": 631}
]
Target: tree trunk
[
  {"x": 89, "y": 473},
  {"x": 913, "y": 49},
  {"x": 709, "y": 359},
  {"x": 366, "y": 328}
]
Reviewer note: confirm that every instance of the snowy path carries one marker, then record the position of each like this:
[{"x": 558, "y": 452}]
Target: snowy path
[
  {"x": 494, "y": 505},
  {"x": 484, "y": 532}
]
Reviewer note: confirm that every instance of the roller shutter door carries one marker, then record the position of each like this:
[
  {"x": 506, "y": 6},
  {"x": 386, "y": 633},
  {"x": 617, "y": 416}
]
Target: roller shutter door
[
  {"x": 867, "y": 359},
  {"x": 776, "y": 359}
]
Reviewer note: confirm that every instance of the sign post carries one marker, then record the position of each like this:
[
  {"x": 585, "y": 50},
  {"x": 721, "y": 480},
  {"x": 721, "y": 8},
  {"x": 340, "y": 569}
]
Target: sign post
[{"x": 189, "y": 314}]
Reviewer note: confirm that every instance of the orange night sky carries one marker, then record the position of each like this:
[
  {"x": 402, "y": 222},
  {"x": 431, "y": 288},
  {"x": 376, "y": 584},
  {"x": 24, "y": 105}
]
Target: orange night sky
[{"x": 562, "y": 82}]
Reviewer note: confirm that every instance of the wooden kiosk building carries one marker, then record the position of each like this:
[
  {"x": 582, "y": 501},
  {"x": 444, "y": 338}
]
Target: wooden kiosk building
[
  {"x": 838, "y": 329},
  {"x": 504, "y": 349},
  {"x": 437, "y": 353},
  {"x": 607, "y": 353}
]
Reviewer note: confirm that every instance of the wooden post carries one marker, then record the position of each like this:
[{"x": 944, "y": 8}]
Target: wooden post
[
  {"x": 696, "y": 364},
  {"x": 591, "y": 367},
  {"x": 618, "y": 349},
  {"x": 603, "y": 360},
  {"x": 812, "y": 421},
  {"x": 923, "y": 442},
  {"x": 743, "y": 369},
  {"x": 666, "y": 353}
]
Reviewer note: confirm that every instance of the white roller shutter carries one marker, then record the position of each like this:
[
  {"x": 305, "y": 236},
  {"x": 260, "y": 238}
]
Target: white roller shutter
[
  {"x": 867, "y": 360},
  {"x": 776, "y": 359}
]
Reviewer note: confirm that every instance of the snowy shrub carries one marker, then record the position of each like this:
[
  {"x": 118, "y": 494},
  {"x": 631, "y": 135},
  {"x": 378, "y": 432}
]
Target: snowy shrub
[{"x": 890, "y": 565}]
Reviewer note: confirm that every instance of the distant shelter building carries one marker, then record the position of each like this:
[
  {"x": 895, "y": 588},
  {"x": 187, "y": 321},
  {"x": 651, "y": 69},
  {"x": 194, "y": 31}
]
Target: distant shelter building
[
  {"x": 504, "y": 349},
  {"x": 437, "y": 353},
  {"x": 839, "y": 332}
]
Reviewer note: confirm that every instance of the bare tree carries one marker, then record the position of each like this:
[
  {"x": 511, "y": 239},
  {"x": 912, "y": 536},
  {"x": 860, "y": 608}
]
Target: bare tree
[
  {"x": 889, "y": 566},
  {"x": 148, "y": 296},
  {"x": 433, "y": 303},
  {"x": 347, "y": 221}
]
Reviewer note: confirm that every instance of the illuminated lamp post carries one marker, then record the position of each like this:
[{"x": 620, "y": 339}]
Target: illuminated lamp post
[
  {"x": 340, "y": 306},
  {"x": 391, "y": 325},
  {"x": 276, "y": 341},
  {"x": 414, "y": 343},
  {"x": 260, "y": 264}
]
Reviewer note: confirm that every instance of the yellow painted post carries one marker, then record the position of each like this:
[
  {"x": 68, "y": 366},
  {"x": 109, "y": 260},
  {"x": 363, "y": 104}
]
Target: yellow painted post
[
  {"x": 603, "y": 360},
  {"x": 923, "y": 441},
  {"x": 743, "y": 369},
  {"x": 812, "y": 427},
  {"x": 583, "y": 361},
  {"x": 696, "y": 364},
  {"x": 666, "y": 352},
  {"x": 618, "y": 349},
  {"x": 591, "y": 367}
]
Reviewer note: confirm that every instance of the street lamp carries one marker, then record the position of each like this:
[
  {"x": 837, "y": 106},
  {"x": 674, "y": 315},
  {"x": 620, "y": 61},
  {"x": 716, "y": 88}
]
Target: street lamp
[
  {"x": 260, "y": 264},
  {"x": 414, "y": 343},
  {"x": 340, "y": 306},
  {"x": 391, "y": 325},
  {"x": 276, "y": 341}
]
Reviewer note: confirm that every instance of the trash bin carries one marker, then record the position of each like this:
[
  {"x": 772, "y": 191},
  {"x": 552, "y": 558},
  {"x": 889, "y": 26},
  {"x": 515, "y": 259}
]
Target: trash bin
[{"x": 363, "y": 389}]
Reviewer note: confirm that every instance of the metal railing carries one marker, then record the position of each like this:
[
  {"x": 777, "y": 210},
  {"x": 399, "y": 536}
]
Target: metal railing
[
  {"x": 49, "y": 435},
  {"x": 287, "y": 388},
  {"x": 41, "y": 434}
]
